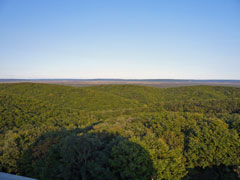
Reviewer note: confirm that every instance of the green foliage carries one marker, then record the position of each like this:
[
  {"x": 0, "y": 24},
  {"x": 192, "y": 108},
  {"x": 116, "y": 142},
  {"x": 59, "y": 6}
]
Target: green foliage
[
  {"x": 213, "y": 173},
  {"x": 88, "y": 156},
  {"x": 212, "y": 143},
  {"x": 168, "y": 163},
  {"x": 119, "y": 132},
  {"x": 130, "y": 161}
]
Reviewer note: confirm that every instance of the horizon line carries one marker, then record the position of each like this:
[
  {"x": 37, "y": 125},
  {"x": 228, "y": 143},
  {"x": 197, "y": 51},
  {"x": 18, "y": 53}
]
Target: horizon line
[{"x": 123, "y": 79}]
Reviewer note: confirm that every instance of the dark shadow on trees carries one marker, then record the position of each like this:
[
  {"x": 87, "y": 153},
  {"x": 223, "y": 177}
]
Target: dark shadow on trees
[{"x": 80, "y": 154}]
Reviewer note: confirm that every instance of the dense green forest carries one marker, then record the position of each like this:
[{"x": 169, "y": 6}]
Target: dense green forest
[{"x": 124, "y": 132}]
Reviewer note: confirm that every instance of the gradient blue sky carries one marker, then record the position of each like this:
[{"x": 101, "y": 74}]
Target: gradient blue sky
[{"x": 181, "y": 39}]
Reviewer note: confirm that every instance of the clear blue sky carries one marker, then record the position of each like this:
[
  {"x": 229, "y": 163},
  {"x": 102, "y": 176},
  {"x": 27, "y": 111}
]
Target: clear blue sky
[{"x": 182, "y": 39}]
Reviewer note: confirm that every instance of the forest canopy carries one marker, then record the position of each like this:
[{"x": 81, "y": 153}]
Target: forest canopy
[{"x": 120, "y": 132}]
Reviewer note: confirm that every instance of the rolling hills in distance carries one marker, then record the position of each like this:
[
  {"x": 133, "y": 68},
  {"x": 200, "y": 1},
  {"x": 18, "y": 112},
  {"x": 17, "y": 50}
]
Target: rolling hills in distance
[
  {"x": 119, "y": 129},
  {"x": 146, "y": 82}
]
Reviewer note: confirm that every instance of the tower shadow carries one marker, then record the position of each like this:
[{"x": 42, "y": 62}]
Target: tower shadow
[{"x": 82, "y": 154}]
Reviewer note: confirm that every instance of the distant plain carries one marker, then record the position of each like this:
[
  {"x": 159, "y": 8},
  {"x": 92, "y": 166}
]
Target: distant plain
[{"x": 160, "y": 83}]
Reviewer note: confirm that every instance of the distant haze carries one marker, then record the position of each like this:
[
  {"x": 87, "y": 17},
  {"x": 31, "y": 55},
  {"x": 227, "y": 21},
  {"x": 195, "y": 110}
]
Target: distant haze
[
  {"x": 161, "y": 83},
  {"x": 124, "y": 39}
]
